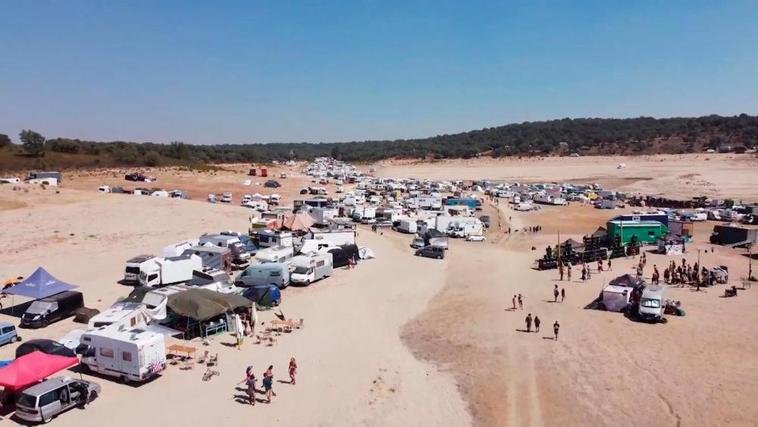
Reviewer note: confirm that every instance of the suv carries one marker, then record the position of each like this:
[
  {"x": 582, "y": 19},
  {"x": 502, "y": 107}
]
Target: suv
[
  {"x": 8, "y": 333},
  {"x": 43, "y": 401},
  {"x": 431, "y": 252}
]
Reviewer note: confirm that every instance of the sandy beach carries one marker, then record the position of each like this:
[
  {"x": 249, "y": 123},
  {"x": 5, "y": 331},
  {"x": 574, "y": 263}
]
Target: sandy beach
[{"x": 403, "y": 340}]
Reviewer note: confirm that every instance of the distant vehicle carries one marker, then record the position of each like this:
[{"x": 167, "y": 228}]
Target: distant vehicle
[
  {"x": 44, "y": 401},
  {"x": 652, "y": 304},
  {"x": 339, "y": 189},
  {"x": 134, "y": 266},
  {"x": 246, "y": 198},
  {"x": 485, "y": 219},
  {"x": 431, "y": 252},
  {"x": 304, "y": 191},
  {"x": 475, "y": 238},
  {"x": 170, "y": 270},
  {"x": 417, "y": 243},
  {"x": 137, "y": 176},
  {"x": 264, "y": 295},
  {"x": 283, "y": 176},
  {"x": 45, "y": 311},
  {"x": 212, "y": 198},
  {"x": 277, "y": 274},
  {"x": 310, "y": 268},
  {"x": 226, "y": 197},
  {"x": 8, "y": 333}
]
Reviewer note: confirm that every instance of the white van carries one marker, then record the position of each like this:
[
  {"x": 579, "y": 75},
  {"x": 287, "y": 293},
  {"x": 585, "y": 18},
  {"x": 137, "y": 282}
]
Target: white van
[
  {"x": 310, "y": 268},
  {"x": 652, "y": 303},
  {"x": 131, "y": 354},
  {"x": 42, "y": 402}
]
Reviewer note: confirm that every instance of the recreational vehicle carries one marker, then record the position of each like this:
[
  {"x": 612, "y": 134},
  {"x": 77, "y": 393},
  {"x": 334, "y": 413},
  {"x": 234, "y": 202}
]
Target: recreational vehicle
[
  {"x": 652, "y": 303},
  {"x": 131, "y": 354},
  {"x": 310, "y": 268},
  {"x": 134, "y": 266},
  {"x": 274, "y": 254},
  {"x": 406, "y": 225},
  {"x": 166, "y": 271},
  {"x": 273, "y": 273},
  {"x": 335, "y": 236}
]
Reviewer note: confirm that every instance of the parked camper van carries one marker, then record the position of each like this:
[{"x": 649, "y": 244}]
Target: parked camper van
[
  {"x": 41, "y": 402},
  {"x": 134, "y": 266},
  {"x": 48, "y": 310},
  {"x": 275, "y": 254},
  {"x": 129, "y": 314},
  {"x": 274, "y": 273},
  {"x": 310, "y": 268},
  {"x": 651, "y": 303},
  {"x": 166, "y": 271},
  {"x": 129, "y": 354}
]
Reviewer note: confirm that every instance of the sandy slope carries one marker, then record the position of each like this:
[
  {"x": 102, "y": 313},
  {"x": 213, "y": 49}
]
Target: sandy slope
[
  {"x": 675, "y": 176},
  {"x": 354, "y": 368}
]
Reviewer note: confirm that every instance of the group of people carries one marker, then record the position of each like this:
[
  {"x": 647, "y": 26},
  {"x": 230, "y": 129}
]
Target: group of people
[
  {"x": 245, "y": 327},
  {"x": 268, "y": 381},
  {"x": 556, "y": 293},
  {"x": 566, "y": 267},
  {"x": 536, "y": 320},
  {"x": 688, "y": 274}
]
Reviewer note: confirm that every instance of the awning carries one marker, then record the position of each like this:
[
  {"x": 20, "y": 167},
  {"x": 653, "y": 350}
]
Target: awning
[
  {"x": 40, "y": 284},
  {"x": 204, "y": 304},
  {"x": 33, "y": 368}
]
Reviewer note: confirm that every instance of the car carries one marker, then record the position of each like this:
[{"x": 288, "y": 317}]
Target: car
[
  {"x": 485, "y": 219},
  {"x": 226, "y": 198},
  {"x": 42, "y": 402},
  {"x": 477, "y": 238},
  {"x": 431, "y": 252},
  {"x": 8, "y": 333},
  {"x": 418, "y": 243}
]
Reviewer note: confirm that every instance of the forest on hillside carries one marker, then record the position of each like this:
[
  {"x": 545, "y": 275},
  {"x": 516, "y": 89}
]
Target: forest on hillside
[{"x": 643, "y": 135}]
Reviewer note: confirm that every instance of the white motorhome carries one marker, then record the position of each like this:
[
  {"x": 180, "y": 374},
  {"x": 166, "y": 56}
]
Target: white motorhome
[
  {"x": 336, "y": 237},
  {"x": 407, "y": 225},
  {"x": 166, "y": 271},
  {"x": 322, "y": 216},
  {"x": 271, "y": 238},
  {"x": 127, "y": 314},
  {"x": 131, "y": 354},
  {"x": 177, "y": 249},
  {"x": 364, "y": 214},
  {"x": 134, "y": 267},
  {"x": 275, "y": 254},
  {"x": 549, "y": 199},
  {"x": 312, "y": 246},
  {"x": 464, "y": 227},
  {"x": 310, "y": 268},
  {"x": 652, "y": 303}
]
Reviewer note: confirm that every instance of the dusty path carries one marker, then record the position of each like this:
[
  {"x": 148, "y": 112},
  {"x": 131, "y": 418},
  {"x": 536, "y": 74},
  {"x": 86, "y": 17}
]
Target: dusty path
[{"x": 604, "y": 366}]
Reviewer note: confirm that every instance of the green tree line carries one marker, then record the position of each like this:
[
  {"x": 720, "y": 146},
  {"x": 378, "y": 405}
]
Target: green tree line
[{"x": 587, "y": 136}]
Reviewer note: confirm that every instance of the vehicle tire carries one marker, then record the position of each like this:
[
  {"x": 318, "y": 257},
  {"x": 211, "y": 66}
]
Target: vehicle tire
[
  {"x": 18, "y": 338},
  {"x": 663, "y": 320},
  {"x": 85, "y": 368},
  {"x": 307, "y": 283},
  {"x": 92, "y": 396},
  {"x": 124, "y": 379}
]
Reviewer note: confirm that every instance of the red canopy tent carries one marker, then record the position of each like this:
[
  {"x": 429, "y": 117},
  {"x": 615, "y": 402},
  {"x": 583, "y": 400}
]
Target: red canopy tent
[{"x": 32, "y": 368}]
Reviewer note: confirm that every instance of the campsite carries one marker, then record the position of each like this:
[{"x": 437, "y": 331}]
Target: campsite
[{"x": 173, "y": 276}]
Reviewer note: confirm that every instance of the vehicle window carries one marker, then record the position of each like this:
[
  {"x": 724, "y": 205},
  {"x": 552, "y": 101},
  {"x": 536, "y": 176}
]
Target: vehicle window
[
  {"x": 49, "y": 397},
  {"x": 126, "y": 356},
  {"x": 275, "y": 273},
  {"x": 7, "y": 329},
  {"x": 27, "y": 400},
  {"x": 152, "y": 277},
  {"x": 106, "y": 352},
  {"x": 650, "y": 303}
]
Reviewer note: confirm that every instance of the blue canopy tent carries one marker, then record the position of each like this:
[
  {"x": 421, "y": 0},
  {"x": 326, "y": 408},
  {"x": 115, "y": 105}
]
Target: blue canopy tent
[{"x": 40, "y": 284}]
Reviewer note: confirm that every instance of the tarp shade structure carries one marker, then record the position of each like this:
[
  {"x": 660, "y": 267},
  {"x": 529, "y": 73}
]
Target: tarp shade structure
[
  {"x": 204, "y": 304},
  {"x": 44, "y": 345},
  {"x": 574, "y": 244},
  {"x": 298, "y": 222},
  {"x": 40, "y": 284},
  {"x": 33, "y": 368},
  {"x": 627, "y": 280}
]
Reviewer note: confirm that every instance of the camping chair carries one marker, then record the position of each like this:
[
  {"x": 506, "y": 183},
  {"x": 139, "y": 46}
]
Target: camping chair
[
  {"x": 203, "y": 358},
  {"x": 209, "y": 373},
  {"x": 213, "y": 360},
  {"x": 188, "y": 365}
]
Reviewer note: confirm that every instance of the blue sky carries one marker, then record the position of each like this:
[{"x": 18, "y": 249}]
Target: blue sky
[{"x": 281, "y": 71}]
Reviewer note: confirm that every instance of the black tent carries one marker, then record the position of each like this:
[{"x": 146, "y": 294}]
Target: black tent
[
  {"x": 46, "y": 346},
  {"x": 342, "y": 255}
]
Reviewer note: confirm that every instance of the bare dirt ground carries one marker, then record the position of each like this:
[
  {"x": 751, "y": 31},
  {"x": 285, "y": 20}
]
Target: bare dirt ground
[
  {"x": 675, "y": 176},
  {"x": 472, "y": 363}
]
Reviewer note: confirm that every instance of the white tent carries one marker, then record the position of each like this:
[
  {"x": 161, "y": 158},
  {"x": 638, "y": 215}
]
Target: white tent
[{"x": 366, "y": 253}]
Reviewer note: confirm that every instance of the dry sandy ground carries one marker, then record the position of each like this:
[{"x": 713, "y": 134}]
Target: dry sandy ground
[
  {"x": 604, "y": 369},
  {"x": 354, "y": 370},
  {"x": 472, "y": 365},
  {"x": 674, "y": 176}
]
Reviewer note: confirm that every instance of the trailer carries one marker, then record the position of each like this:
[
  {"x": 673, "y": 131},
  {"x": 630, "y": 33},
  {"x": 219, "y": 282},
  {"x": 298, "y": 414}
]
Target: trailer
[
  {"x": 275, "y": 254},
  {"x": 311, "y": 268},
  {"x": 128, "y": 354},
  {"x": 134, "y": 266},
  {"x": 733, "y": 235},
  {"x": 336, "y": 237},
  {"x": 213, "y": 257}
]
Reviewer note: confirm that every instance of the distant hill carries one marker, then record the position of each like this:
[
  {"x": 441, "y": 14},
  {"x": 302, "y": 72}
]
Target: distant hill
[{"x": 643, "y": 135}]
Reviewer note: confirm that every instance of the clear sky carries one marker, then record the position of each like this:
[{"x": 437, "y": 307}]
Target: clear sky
[{"x": 282, "y": 71}]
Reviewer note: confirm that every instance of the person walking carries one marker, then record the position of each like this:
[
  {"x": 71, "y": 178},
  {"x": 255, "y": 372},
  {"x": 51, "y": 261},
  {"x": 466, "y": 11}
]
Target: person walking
[
  {"x": 537, "y": 324},
  {"x": 589, "y": 274},
  {"x": 556, "y": 328},
  {"x": 514, "y": 302},
  {"x": 528, "y": 321},
  {"x": 563, "y": 294},
  {"x": 250, "y": 384},
  {"x": 268, "y": 383},
  {"x": 520, "y": 302},
  {"x": 555, "y": 293},
  {"x": 292, "y": 370},
  {"x": 240, "y": 331},
  {"x": 568, "y": 271},
  {"x": 609, "y": 264},
  {"x": 560, "y": 270}
]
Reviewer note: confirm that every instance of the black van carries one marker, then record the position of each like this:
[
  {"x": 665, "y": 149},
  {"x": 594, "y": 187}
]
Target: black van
[{"x": 48, "y": 310}]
